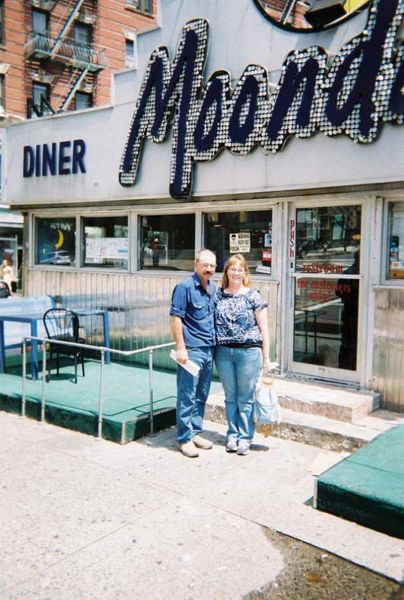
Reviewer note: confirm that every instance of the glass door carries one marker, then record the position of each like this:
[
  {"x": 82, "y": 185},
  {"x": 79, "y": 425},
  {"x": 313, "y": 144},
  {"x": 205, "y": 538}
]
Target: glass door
[{"x": 325, "y": 244}]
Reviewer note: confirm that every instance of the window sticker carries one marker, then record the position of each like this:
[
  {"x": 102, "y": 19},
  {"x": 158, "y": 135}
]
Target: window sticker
[{"x": 240, "y": 243}]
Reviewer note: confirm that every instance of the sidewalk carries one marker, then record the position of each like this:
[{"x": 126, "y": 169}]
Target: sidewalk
[{"x": 83, "y": 519}]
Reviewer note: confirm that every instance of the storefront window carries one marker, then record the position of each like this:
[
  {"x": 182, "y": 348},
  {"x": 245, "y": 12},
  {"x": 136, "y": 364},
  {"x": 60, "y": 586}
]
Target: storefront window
[
  {"x": 328, "y": 239},
  {"x": 326, "y": 322},
  {"x": 55, "y": 241},
  {"x": 248, "y": 233},
  {"x": 395, "y": 266},
  {"x": 105, "y": 242},
  {"x": 167, "y": 242}
]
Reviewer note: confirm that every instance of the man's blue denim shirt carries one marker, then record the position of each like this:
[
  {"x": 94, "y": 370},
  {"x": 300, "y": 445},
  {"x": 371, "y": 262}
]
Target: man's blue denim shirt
[{"x": 195, "y": 306}]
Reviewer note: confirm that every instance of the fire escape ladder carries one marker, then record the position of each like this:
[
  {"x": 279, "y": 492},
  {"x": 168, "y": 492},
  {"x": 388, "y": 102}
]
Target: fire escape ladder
[
  {"x": 73, "y": 88},
  {"x": 66, "y": 27},
  {"x": 290, "y": 5}
]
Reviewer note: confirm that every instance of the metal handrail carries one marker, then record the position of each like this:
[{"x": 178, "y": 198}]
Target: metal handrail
[{"x": 103, "y": 349}]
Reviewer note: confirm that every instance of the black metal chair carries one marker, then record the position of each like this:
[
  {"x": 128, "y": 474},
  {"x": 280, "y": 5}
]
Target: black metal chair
[{"x": 63, "y": 324}]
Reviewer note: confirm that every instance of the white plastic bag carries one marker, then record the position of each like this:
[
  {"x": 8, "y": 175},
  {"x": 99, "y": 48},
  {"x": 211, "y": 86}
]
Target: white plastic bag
[{"x": 266, "y": 407}]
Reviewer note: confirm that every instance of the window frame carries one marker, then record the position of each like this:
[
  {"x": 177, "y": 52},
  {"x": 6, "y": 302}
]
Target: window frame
[
  {"x": 134, "y": 236},
  {"x": 83, "y": 94},
  {"x": 77, "y": 265},
  {"x": 139, "y": 6},
  {"x": 139, "y": 239},
  {"x": 44, "y": 86},
  {"x": 37, "y": 11},
  {"x": 48, "y": 94},
  {"x": 34, "y": 237},
  {"x": 80, "y": 240},
  {"x": 264, "y": 207},
  {"x": 131, "y": 61},
  {"x": 386, "y": 281},
  {"x": 79, "y": 26}
]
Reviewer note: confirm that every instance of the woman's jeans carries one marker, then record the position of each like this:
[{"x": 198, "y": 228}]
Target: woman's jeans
[
  {"x": 239, "y": 369},
  {"x": 192, "y": 393}
]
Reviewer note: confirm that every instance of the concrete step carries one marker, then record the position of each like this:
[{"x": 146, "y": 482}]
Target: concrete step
[
  {"x": 340, "y": 404},
  {"x": 315, "y": 429}
]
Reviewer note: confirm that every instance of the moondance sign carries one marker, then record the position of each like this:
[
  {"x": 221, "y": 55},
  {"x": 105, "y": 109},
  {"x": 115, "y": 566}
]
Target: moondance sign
[{"x": 362, "y": 88}]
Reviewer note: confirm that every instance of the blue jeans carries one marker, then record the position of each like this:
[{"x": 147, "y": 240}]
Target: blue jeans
[
  {"x": 192, "y": 393},
  {"x": 239, "y": 369}
]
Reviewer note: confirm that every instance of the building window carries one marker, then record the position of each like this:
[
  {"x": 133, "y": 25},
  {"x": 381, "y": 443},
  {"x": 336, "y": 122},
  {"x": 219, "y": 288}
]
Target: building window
[
  {"x": 82, "y": 100},
  {"x": 105, "y": 242},
  {"x": 248, "y": 233},
  {"x": 328, "y": 239},
  {"x": 40, "y": 22},
  {"x": 143, "y": 6},
  {"x": 129, "y": 49},
  {"x": 395, "y": 264},
  {"x": 2, "y": 29},
  {"x": 83, "y": 33},
  {"x": 41, "y": 98},
  {"x": 55, "y": 241},
  {"x": 167, "y": 242},
  {"x": 2, "y": 93},
  {"x": 130, "y": 52}
]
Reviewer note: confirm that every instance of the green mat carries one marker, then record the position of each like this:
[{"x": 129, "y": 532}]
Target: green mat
[
  {"x": 126, "y": 399},
  {"x": 368, "y": 487}
]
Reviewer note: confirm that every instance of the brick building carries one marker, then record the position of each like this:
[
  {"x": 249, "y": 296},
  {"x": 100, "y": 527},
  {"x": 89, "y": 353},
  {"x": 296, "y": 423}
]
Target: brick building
[{"x": 59, "y": 55}]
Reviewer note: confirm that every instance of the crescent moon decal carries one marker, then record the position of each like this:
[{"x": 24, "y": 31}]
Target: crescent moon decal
[{"x": 60, "y": 240}]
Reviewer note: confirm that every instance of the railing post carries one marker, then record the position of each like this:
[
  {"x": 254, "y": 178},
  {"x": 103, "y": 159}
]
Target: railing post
[
  {"x": 100, "y": 395},
  {"x": 24, "y": 374},
  {"x": 43, "y": 381},
  {"x": 151, "y": 392}
]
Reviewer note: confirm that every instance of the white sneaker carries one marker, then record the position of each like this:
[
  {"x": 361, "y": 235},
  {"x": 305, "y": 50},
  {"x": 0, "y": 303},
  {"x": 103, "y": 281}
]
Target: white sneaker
[
  {"x": 243, "y": 448},
  {"x": 231, "y": 445}
]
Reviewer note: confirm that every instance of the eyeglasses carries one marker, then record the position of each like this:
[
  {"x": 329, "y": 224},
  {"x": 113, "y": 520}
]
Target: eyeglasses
[
  {"x": 237, "y": 271},
  {"x": 208, "y": 266}
]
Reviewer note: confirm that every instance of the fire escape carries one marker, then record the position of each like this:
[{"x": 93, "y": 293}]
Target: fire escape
[{"x": 46, "y": 51}]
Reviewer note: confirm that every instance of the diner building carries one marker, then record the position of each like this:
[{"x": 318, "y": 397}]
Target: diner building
[{"x": 236, "y": 133}]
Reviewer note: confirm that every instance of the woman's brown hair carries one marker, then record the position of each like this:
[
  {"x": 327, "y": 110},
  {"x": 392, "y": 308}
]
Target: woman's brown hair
[{"x": 232, "y": 261}]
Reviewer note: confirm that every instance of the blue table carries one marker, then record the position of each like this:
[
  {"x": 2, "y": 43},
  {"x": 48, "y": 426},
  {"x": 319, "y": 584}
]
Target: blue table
[{"x": 33, "y": 320}]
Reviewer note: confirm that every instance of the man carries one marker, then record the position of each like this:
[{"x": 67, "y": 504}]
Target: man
[{"x": 192, "y": 325}]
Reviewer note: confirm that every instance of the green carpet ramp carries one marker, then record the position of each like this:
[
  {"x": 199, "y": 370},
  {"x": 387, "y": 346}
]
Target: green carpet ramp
[
  {"x": 126, "y": 399},
  {"x": 368, "y": 486}
]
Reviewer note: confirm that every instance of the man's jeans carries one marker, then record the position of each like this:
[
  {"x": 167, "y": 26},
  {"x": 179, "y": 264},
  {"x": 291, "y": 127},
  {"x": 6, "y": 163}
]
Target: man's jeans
[
  {"x": 192, "y": 393},
  {"x": 239, "y": 369}
]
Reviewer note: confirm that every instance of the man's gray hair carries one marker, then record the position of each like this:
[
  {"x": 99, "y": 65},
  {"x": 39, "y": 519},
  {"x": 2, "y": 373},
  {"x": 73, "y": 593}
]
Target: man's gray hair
[{"x": 205, "y": 250}]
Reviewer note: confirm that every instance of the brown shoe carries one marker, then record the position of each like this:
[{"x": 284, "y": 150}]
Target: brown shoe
[
  {"x": 188, "y": 449},
  {"x": 200, "y": 442}
]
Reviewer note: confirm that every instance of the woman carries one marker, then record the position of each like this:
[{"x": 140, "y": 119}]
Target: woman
[
  {"x": 242, "y": 348},
  {"x": 7, "y": 273}
]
